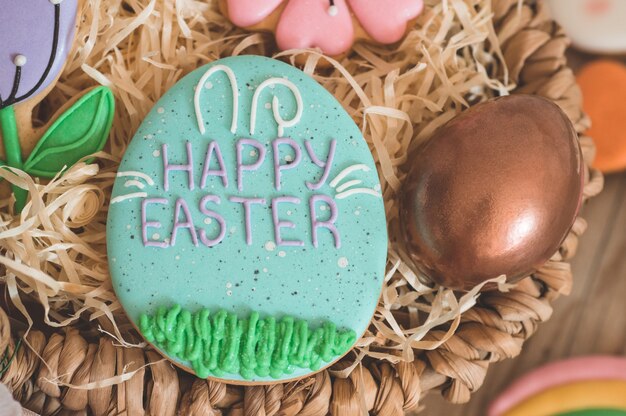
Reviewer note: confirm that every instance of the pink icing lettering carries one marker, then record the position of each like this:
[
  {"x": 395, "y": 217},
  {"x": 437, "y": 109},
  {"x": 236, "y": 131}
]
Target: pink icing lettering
[
  {"x": 188, "y": 223},
  {"x": 328, "y": 224},
  {"x": 278, "y": 224},
  {"x": 217, "y": 217},
  {"x": 290, "y": 165},
  {"x": 241, "y": 167},
  {"x": 247, "y": 205},
  {"x": 214, "y": 147},
  {"x": 167, "y": 167},
  {"x": 326, "y": 165},
  {"x": 153, "y": 224}
]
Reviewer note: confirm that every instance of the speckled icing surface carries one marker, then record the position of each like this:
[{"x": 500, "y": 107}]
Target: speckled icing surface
[{"x": 315, "y": 245}]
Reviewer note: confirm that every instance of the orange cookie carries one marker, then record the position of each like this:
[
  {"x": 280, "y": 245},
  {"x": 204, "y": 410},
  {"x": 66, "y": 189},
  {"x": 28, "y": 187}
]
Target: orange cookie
[
  {"x": 603, "y": 85},
  {"x": 330, "y": 25}
]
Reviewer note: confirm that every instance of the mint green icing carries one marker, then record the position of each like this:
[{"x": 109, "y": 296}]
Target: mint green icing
[
  {"x": 223, "y": 343},
  {"x": 315, "y": 283}
]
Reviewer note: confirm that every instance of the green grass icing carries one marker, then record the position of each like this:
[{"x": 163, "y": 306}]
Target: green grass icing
[{"x": 223, "y": 343}]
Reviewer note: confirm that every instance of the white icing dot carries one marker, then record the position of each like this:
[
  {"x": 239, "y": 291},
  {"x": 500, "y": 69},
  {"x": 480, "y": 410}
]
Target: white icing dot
[
  {"x": 156, "y": 153},
  {"x": 167, "y": 240},
  {"x": 177, "y": 257},
  {"x": 253, "y": 153},
  {"x": 208, "y": 221},
  {"x": 288, "y": 158},
  {"x": 156, "y": 236},
  {"x": 342, "y": 262},
  {"x": 268, "y": 105},
  {"x": 160, "y": 110},
  {"x": 128, "y": 227},
  {"x": 229, "y": 285},
  {"x": 264, "y": 269},
  {"x": 113, "y": 259},
  {"x": 19, "y": 60},
  {"x": 270, "y": 246},
  {"x": 281, "y": 254},
  {"x": 289, "y": 212},
  {"x": 357, "y": 212},
  {"x": 149, "y": 136},
  {"x": 323, "y": 208},
  {"x": 229, "y": 292},
  {"x": 333, "y": 10},
  {"x": 233, "y": 230},
  {"x": 208, "y": 85}
]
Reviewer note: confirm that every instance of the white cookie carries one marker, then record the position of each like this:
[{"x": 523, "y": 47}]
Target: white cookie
[{"x": 593, "y": 25}]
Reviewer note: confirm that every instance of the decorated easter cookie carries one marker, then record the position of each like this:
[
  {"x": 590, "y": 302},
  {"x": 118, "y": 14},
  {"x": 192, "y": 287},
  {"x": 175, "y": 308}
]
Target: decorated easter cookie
[
  {"x": 593, "y": 25},
  {"x": 603, "y": 84},
  {"x": 36, "y": 38},
  {"x": 331, "y": 25},
  {"x": 246, "y": 233},
  {"x": 580, "y": 386}
]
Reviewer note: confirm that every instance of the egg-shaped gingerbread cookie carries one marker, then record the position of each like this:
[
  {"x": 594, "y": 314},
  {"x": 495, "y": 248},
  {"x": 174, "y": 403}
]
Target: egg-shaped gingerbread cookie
[{"x": 246, "y": 233}]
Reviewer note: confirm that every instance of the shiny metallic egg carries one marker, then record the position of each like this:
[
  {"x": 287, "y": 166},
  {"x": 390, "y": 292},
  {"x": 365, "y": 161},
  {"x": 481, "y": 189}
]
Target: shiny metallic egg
[{"x": 494, "y": 191}]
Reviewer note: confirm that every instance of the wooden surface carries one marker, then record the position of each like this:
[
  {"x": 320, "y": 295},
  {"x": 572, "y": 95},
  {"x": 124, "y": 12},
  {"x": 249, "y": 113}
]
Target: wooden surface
[{"x": 592, "y": 320}]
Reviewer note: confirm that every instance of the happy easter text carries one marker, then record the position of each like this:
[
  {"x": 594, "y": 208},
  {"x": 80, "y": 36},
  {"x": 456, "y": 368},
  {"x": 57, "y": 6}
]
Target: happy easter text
[{"x": 183, "y": 221}]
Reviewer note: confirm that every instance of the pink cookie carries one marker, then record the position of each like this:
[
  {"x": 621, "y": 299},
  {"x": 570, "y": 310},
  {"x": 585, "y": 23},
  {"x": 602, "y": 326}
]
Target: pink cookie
[
  {"x": 556, "y": 374},
  {"x": 330, "y": 25}
]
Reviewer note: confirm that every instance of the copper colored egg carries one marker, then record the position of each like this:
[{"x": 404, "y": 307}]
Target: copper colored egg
[{"x": 495, "y": 191}]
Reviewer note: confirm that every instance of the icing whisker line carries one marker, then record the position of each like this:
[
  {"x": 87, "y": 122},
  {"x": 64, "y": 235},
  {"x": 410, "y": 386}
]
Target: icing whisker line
[
  {"x": 128, "y": 196},
  {"x": 135, "y": 183},
  {"x": 347, "y": 171},
  {"x": 355, "y": 191},
  {"x": 137, "y": 174},
  {"x": 276, "y": 105},
  {"x": 235, "y": 90},
  {"x": 348, "y": 184}
]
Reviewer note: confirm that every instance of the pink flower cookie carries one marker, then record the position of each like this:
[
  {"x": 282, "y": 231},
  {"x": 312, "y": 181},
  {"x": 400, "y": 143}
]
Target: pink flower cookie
[{"x": 330, "y": 25}]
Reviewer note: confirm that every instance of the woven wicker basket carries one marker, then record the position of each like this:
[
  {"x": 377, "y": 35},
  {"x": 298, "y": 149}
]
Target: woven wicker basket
[{"x": 495, "y": 329}]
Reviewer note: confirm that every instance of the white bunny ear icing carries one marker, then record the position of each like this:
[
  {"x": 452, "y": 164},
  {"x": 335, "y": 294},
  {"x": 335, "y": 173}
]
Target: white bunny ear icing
[
  {"x": 597, "y": 26},
  {"x": 8, "y": 405},
  {"x": 282, "y": 123}
]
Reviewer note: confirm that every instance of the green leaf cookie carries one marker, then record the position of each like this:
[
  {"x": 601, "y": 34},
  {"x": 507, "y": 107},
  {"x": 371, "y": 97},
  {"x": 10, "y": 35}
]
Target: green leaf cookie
[{"x": 80, "y": 131}]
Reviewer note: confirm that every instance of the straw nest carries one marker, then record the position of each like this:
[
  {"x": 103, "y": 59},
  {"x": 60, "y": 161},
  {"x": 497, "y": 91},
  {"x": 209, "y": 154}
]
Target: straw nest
[{"x": 68, "y": 346}]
